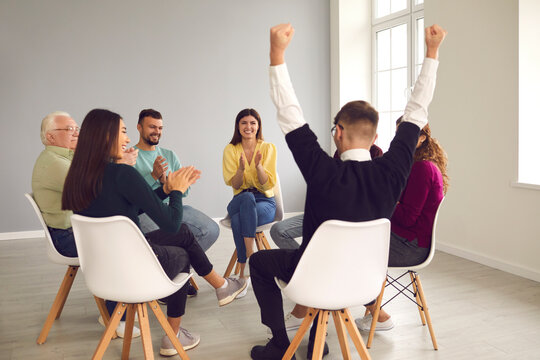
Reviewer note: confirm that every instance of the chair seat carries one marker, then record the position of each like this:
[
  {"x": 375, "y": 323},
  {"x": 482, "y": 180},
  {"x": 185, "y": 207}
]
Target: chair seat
[{"x": 226, "y": 223}]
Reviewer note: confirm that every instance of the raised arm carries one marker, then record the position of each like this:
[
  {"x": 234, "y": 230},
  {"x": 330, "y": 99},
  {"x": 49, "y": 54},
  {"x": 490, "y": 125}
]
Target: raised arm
[
  {"x": 289, "y": 112},
  {"x": 416, "y": 109}
]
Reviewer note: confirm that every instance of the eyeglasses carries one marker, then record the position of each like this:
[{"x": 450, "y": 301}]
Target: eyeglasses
[
  {"x": 70, "y": 129},
  {"x": 333, "y": 129}
]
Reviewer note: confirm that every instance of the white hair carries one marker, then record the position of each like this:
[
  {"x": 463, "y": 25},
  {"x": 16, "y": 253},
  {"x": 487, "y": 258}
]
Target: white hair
[{"x": 47, "y": 124}]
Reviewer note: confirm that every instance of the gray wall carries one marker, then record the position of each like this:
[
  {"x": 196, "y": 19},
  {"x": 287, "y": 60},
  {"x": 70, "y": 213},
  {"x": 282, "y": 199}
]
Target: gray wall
[{"x": 198, "y": 62}]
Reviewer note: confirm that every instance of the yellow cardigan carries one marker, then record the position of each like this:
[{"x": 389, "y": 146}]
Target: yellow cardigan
[{"x": 231, "y": 158}]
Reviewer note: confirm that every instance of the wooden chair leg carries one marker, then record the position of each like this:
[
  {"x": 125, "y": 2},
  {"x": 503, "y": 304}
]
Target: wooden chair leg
[
  {"x": 376, "y": 315},
  {"x": 148, "y": 351},
  {"x": 426, "y": 311},
  {"x": 320, "y": 335},
  {"x": 119, "y": 310},
  {"x": 304, "y": 327},
  {"x": 342, "y": 335},
  {"x": 193, "y": 283},
  {"x": 355, "y": 334},
  {"x": 231, "y": 264},
  {"x": 168, "y": 330},
  {"x": 264, "y": 241},
  {"x": 58, "y": 304},
  {"x": 74, "y": 271},
  {"x": 128, "y": 334},
  {"x": 418, "y": 300},
  {"x": 104, "y": 312}
]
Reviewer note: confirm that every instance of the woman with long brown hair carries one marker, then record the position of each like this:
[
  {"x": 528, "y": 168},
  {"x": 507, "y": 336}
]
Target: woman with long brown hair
[
  {"x": 249, "y": 167},
  {"x": 96, "y": 186},
  {"x": 413, "y": 217}
]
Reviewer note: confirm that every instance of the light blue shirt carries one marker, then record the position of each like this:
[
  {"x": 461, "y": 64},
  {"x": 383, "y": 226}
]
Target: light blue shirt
[{"x": 145, "y": 164}]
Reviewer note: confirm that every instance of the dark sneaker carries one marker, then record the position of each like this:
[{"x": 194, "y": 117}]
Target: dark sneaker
[
  {"x": 191, "y": 291},
  {"x": 234, "y": 287},
  {"x": 268, "y": 352},
  {"x": 311, "y": 343},
  {"x": 187, "y": 339}
]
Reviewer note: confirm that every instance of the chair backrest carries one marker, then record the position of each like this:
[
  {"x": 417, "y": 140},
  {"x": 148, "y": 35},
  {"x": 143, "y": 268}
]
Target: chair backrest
[
  {"x": 52, "y": 253},
  {"x": 117, "y": 261},
  {"x": 343, "y": 265},
  {"x": 280, "y": 212},
  {"x": 432, "y": 246}
]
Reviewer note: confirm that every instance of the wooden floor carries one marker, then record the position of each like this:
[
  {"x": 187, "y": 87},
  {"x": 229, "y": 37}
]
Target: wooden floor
[{"x": 477, "y": 312}]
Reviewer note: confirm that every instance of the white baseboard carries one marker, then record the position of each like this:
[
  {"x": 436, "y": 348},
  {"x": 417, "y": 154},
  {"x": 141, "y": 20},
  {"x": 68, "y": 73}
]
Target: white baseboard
[
  {"x": 518, "y": 270},
  {"x": 22, "y": 235}
]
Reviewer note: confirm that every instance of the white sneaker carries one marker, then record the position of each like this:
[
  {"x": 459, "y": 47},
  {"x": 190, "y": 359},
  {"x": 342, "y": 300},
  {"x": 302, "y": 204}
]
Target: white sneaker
[
  {"x": 244, "y": 292},
  {"x": 364, "y": 324},
  {"x": 121, "y": 328},
  {"x": 291, "y": 323}
]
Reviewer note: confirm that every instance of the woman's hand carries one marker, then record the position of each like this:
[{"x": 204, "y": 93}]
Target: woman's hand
[
  {"x": 242, "y": 162},
  {"x": 258, "y": 158},
  {"x": 181, "y": 179}
]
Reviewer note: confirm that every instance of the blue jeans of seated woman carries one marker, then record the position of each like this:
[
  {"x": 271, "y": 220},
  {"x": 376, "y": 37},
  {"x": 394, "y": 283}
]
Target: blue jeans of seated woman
[{"x": 247, "y": 211}]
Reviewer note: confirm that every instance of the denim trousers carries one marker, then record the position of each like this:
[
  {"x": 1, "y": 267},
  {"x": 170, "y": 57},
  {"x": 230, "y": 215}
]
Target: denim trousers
[
  {"x": 64, "y": 241},
  {"x": 205, "y": 230},
  {"x": 283, "y": 233},
  {"x": 247, "y": 211}
]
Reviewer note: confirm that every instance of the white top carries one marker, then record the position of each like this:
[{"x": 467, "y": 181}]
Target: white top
[{"x": 289, "y": 112}]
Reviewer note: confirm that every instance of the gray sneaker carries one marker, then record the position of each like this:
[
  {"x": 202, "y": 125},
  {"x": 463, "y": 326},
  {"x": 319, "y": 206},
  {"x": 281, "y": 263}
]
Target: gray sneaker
[
  {"x": 187, "y": 339},
  {"x": 227, "y": 295}
]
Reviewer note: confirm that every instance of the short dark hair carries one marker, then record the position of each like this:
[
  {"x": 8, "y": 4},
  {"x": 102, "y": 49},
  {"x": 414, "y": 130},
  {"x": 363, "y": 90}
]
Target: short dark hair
[
  {"x": 97, "y": 139},
  {"x": 358, "y": 112},
  {"x": 149, "y": 112},
  {"x": 242, "y": 114}
]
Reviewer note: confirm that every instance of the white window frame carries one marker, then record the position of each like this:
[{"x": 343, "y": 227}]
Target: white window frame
[{"x": 407, "y": 16}]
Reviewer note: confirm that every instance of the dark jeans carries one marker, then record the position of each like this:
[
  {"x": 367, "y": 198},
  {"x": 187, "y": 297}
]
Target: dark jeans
[
  {"x": 175, "y": 252},
  {"x": 63, "y": 241}
]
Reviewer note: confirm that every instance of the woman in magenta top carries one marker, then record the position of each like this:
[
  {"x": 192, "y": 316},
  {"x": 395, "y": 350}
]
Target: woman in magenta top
[{"x": 412, "y": 220}]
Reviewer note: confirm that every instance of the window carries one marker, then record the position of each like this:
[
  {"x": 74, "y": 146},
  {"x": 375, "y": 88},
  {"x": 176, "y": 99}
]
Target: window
[
  {"x": 398, "y": 53},
  {"x": 529, "y": 88}
]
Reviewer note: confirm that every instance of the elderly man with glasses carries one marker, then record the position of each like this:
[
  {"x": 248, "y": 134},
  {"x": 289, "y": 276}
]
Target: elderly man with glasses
[{"x": 59, "y": 134}]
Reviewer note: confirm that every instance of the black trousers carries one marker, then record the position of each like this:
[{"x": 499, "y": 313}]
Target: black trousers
[
  {"x": 176, "y": 252},
  {"x": 263, "y": 267}
]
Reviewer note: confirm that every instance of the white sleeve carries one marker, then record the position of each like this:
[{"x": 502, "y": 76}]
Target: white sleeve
[
  {"x": 289, "y": 112},
  {"x": 416, "y": 110}
]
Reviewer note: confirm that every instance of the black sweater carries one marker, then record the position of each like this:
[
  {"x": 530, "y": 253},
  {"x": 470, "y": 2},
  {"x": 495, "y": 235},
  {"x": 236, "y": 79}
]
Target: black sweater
[
  {"x": 351, "y": 190},
  {"x": 125, "y": 192}
]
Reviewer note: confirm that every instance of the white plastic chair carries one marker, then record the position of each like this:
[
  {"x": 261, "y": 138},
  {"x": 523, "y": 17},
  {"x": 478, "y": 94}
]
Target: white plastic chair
[
  {"x": 119, "y": 265},
  {"x": 354, "y": 253},
  {"x": 405, "y": 289},
  {"x": 260, "y": 240},
  {"x": 63, "y": 292}
]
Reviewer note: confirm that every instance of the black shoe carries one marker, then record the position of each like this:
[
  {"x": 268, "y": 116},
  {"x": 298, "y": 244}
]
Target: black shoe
[
  {"x": 191, "y": 291},
  {"x": 325, "y": 352},
  {"x": 268, "y": 352}
]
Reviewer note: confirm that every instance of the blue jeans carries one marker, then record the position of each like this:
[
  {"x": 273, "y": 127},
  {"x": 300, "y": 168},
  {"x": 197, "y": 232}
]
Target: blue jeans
[
  {"x": 284, "y": 232},
  {"x": 63, "y": 241},
  {"x": 247, "y": 211},
  {"x": 205, "y": 230}
]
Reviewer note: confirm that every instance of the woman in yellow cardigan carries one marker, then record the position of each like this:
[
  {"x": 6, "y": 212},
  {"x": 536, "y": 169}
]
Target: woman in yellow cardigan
[{"x": 249, "y": 166}]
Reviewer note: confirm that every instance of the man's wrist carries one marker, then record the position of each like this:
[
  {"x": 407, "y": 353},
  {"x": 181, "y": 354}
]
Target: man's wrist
[
  {"x": 277, "y": 57},
  {"x": 432, "y": 53}
]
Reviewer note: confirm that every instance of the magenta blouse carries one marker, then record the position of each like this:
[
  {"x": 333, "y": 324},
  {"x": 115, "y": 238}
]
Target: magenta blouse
[{"x": 415, "y": 212}]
